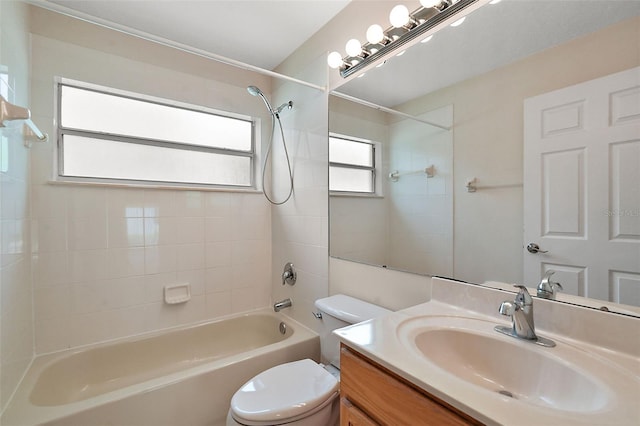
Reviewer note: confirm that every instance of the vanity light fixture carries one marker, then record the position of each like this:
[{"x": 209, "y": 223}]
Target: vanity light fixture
[{"x": 404, "y": 28}]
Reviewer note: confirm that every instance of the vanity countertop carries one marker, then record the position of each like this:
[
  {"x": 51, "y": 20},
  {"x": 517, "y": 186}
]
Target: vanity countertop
[{"x": 614, "y": 372}]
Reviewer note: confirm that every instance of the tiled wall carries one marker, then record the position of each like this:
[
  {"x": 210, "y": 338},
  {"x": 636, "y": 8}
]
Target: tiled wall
[
  {"x": 16, "y": 311},
  {"x": 101, "y": 256},
  {"x": 421, "y": 208},
  {"x": 300, "y": 227}
]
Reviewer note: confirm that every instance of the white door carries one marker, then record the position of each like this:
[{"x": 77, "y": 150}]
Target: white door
[{"x": 582, "y": 187}]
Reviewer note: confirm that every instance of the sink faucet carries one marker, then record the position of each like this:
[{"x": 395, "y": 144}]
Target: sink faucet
[
  {"x": 521, "y": 312},
  {"x": 278, "y": 306},
  {"x": 547, "y": 289}
]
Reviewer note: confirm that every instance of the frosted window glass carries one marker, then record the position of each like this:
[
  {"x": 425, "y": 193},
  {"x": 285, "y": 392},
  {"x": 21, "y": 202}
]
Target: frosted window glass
[
  {"x": 350, "y": 152},
  {"x": 97, "y": 158},
  {"x": 99, "y": 112},
  {"x": 350, "y": 180}
]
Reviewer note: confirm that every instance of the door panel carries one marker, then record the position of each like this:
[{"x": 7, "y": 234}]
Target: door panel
[{"x": 582, "y": 187}]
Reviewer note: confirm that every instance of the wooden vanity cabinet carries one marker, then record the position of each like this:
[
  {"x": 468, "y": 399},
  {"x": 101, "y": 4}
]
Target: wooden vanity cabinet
[{"x": 372, "y": 395}]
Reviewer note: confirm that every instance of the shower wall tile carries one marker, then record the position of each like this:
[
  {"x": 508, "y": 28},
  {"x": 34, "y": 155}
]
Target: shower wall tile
[
  {"x": 103, "y": 255},
  {"x": 16, "y": 284}
]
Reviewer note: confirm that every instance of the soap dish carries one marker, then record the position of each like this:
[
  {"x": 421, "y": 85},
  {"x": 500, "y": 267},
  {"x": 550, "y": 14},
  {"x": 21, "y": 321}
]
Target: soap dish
[{"x": 177, "y": 293}]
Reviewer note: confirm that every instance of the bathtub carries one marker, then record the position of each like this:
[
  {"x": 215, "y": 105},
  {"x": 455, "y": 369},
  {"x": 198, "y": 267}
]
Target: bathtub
[{"x": 182, "y": 377}]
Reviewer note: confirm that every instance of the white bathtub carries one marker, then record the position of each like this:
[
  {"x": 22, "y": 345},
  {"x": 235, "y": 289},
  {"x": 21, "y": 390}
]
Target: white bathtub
[{"x": 182, "y": 377}]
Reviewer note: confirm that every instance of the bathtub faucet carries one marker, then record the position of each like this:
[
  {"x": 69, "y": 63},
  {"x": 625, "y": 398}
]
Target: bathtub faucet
[{"x": 278, "y": 306}]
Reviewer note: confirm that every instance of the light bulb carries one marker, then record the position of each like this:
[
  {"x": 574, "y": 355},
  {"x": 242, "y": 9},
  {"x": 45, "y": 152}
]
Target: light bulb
[
  {"x": 459, "y": 21},
  {"x": 430, "y": 3},
  {"x": 399, "y": 16},
  {"x": 375, "y": 34},
  {"x": 334, "y": 59},
  {"x": 353, "y": 47}
]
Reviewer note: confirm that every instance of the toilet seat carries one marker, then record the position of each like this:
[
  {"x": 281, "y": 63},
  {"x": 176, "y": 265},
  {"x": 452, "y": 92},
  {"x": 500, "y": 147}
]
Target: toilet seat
[{"x": 284, "y": 393}]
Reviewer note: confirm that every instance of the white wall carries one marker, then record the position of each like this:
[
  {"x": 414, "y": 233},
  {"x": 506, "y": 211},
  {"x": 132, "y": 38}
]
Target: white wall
[
  {"x": 300, "y": 226},
  {"x": 16, "y": 311},
  {"x": 101, "y": 255}
]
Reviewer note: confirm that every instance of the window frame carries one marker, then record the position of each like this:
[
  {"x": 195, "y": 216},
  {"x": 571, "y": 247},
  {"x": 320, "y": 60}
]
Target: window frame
[
  {"x": 374, "y": 168},
  {"x": 58, "y": 168}
]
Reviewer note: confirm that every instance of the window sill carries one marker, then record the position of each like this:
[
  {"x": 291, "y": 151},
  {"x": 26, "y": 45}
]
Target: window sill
[
  {"x": 152, "y": 186},
  {"x": 354, "y": 195}
]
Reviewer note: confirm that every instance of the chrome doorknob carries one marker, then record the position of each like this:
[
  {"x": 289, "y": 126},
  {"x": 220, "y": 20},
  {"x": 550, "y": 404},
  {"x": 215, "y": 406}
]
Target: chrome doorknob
[{"x": 534, "y": 248}]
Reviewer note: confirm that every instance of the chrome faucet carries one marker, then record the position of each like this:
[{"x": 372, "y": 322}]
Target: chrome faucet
[
  {"x": 521, "y": 312},
  {"x": 547, "y": 289},
  {"x": 278, "y": 306}
]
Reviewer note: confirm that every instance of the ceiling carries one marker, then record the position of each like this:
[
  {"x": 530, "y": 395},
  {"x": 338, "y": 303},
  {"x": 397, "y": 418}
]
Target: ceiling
[
  {"x": 257, "y": 32},
  {"x": 264, "y": 33}
]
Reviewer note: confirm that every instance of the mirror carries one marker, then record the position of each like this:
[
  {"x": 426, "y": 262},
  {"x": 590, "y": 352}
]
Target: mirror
[{"x": 475, "y": 79}]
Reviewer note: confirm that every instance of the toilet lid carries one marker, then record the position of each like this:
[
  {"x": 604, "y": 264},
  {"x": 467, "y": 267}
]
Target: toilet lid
[{"x": 283, "y": 392}]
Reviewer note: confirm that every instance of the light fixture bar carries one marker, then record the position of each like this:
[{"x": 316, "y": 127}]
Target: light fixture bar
[{"x": 351, "y": 67}]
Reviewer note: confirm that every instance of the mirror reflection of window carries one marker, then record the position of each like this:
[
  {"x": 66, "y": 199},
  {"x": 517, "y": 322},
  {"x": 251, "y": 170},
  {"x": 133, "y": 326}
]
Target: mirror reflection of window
[{"x": 352, "y": 165}]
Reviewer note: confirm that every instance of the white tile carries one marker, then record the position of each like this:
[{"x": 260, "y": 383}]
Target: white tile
[
  {"x": 87, "y": 203},
  {"x": 160, "y": 231},
  {"x": 126, "y": 262},
  {"x": 125, "y": 202},
  {"x": 218, "y": 304},
  {"x": 87, "y": 234},
  {"x": 190, "y": 230},
  {"x": 218, "y": 204},
  {"x": 50, "y": 268},
  {"x": 154, "y": 285},
  {"x": 218, "y": 229},
  {"x": 159, "y": 203},
  {"x": 49, "y": 234},
  {"x": 196, "y": 278},
  {"x": 217, "y": 254},
  {"x": 52, "y": 334},
  {"x": 190, "y": 256},
  {"x": 218, "y": 279},
  {"x": 125, "y": 232},
  {"x": 88, "y": 265},
  {"x": 51, "y": 302},
  {"x": 49, "y": 201},
  {"x": 160, "y": 259},
  {"x": 190, "y": 203}
]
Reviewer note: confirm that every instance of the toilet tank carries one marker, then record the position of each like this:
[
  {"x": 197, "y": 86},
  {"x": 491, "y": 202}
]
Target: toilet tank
[{"x": 340, "y": 311}]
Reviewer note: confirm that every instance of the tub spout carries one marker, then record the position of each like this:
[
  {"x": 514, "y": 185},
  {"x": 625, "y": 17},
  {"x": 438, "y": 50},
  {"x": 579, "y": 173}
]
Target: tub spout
[{"x": 278, "y": 306}]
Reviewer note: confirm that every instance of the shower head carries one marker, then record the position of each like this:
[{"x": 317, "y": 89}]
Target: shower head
[{"x": 253, "y": 90}]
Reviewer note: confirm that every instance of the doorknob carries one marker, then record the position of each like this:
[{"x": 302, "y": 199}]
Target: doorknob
[{"x": 534, "y": 248}]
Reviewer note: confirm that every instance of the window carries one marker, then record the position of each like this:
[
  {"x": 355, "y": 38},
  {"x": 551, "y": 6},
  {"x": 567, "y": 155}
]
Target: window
[
  {"x": 351, "y": 165},
  {"x": 111, "y": 136}
]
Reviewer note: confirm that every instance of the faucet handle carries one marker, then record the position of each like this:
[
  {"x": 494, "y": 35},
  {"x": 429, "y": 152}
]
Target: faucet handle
[
  {"x": 547, "y": 289},
  {"x": 523, "y": 297}
]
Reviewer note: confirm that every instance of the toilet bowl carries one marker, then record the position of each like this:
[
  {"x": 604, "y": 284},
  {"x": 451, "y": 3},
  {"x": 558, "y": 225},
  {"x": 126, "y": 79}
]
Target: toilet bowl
[{"x": 302, "y": 393}]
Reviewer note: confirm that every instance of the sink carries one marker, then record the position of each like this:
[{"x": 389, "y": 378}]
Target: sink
[{"x": 469, "y": 349}]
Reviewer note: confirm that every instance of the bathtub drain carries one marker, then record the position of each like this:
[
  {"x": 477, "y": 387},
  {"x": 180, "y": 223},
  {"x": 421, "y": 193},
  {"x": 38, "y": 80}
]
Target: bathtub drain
[{"x": 283, "y": 328}]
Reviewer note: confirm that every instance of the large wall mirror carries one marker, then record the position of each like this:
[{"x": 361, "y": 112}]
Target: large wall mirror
[{"x": 448, "y": 193}]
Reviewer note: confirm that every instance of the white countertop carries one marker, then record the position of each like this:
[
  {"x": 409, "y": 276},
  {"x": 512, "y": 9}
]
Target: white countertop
[{"x": 384, "y": 341}]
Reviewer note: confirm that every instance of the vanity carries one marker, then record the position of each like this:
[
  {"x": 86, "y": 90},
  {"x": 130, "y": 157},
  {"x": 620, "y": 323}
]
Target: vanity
[{"x": 443, "y": 363}]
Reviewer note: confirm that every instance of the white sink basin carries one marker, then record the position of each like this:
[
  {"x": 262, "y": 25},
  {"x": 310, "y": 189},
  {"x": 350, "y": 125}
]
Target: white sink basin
[{"x": 557, "y": 378}]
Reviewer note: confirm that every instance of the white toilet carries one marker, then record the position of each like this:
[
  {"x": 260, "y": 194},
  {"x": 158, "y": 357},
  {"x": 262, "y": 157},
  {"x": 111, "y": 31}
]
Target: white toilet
[{"x": 302, "y": 393}]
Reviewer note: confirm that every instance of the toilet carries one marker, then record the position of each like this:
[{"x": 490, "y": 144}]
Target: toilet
[{"x": 302, "y": 393}]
